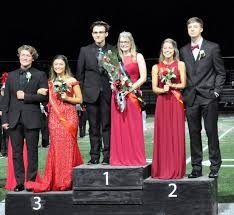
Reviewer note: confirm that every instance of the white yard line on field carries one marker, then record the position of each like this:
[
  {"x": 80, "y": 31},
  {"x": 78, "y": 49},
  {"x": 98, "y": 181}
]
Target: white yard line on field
[{"x": 206, "y": 147}]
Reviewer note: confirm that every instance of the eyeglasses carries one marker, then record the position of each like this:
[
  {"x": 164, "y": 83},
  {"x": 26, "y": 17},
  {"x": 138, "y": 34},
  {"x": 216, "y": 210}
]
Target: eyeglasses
[
  {"x": 99, "y": 32},
  {"x": 124, "y": 42}
]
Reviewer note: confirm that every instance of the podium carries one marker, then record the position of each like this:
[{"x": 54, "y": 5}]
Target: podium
[
  {"x": 120, "y": 190},
  {"x": 104, "y": 184},
  {"x": 181, "y": 197}
]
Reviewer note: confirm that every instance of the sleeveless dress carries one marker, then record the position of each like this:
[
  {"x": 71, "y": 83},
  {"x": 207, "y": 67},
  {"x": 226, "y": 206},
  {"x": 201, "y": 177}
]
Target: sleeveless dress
[
  {"x": 127, "y": 137},
  {"x": 63, "y": 153},
  {"x": 169, "y": 132}
]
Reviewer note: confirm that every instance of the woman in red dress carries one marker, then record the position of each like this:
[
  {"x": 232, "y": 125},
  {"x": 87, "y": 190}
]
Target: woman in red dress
[
  {"x": 63, "y": 153},
  {"x": 168, "y": 79},
  {"x": 127, "y": 136}
]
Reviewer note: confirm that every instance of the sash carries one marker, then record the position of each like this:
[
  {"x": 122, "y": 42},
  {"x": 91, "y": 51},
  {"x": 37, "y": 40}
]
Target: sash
[
  {"x": 70, "y": 127},
  {"x": 178, "y": 97},
  {"x": 133, "y": 98}
]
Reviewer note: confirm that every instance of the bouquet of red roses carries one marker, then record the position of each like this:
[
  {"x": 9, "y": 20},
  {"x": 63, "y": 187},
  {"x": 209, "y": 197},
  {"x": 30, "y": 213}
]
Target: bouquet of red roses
[
  {"x": 119, "y": 79},
  {"x": 167, "y": 75}
]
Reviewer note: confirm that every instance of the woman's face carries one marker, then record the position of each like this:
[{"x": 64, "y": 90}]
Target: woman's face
[
  {"x": 168, "y": 50},
  {"x": 124, "y": 44},
  {"x": 59, "y": 66}
]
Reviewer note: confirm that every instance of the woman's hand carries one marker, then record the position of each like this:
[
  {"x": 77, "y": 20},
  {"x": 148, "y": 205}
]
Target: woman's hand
[
  {"x": 42, "y": 91},
  {"x": 166, "y": 88},
  {"x": 64, "y": 96}
]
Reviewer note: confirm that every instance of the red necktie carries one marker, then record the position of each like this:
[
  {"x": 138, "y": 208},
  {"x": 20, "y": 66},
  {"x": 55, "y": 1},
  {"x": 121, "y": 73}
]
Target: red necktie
[{"x": 194, "y": 47}]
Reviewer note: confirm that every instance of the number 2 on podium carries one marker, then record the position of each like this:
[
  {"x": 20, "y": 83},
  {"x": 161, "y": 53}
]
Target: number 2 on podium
[
  {"x": 107, "y": 178},
  {"x": 171, "y": 194}
]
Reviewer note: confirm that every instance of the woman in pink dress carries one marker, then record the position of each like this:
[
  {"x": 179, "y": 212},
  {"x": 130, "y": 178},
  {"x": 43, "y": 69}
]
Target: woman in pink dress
[
  {"x": 63, "y": 153},
  {"x": 168, "y": 79},
  {"x": 127, "y": 137}
]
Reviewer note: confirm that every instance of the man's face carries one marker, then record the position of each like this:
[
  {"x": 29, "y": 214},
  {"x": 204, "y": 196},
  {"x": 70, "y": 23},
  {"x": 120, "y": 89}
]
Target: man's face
[
  {"x": 194, "y": 29},
  {"x": 25, "y": 59},
  {"x": 99, "y": 34}
]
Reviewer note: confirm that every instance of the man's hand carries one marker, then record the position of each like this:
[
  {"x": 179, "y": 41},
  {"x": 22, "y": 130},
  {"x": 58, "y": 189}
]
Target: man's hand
[
  {"x": 42, "y": 91},
  {"x": 20, "y": 95},
  {"x": 5, "y": 126}
]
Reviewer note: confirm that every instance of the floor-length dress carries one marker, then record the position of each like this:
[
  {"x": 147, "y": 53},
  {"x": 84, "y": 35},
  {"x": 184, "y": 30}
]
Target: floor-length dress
[
  {"x": 127, "y": 136},
  {"x": 63, "y": 153},
  {"x": 169, "y": 131}
]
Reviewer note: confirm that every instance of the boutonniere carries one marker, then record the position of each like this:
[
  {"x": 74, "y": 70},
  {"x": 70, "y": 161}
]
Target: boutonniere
[
  {"x": 202, "y": 54},
  {"x": 28, "y": 76}
]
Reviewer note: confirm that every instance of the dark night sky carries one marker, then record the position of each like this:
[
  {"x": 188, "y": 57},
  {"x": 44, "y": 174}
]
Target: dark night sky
[{"x": 55, "y": 28}]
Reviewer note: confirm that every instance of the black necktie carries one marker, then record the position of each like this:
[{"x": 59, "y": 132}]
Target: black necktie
[
  {"x": 22, "y": 79},
  {"x": 99, "y": 58}
]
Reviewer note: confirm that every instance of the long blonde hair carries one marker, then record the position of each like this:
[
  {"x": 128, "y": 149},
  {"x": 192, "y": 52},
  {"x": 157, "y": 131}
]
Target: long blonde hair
[
  {"x": 176, "y": 51},
  {"x": 128, "y": 35}
]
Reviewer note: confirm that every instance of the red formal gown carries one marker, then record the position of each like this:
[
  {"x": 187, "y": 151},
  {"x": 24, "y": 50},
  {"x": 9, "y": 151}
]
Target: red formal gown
[
  {"x": 169, "y": 131},
  {"x": 127, "y": 137},
  {"x": 63, "y": 153}
]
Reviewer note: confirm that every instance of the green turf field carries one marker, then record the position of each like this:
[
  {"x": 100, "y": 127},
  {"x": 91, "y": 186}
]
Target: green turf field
[{"x": 226, "y": 135}]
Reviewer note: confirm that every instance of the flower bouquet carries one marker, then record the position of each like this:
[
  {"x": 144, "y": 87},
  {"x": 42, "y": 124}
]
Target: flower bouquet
[
  {"x": 119, "y": 78},
  {"x": 60, "y": 86},
  {"x": 167, "y": 75}
]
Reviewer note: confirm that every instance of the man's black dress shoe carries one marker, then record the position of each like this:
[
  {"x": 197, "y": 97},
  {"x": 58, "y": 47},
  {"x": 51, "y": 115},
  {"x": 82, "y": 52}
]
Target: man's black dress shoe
[
  {"x": 213, "y": 174},
  {"x": 19, "y": 188},
  {"x": 105, "y": 162},
  {"x": 92, "y": 161},
  {"x": 195, "y": 174}
]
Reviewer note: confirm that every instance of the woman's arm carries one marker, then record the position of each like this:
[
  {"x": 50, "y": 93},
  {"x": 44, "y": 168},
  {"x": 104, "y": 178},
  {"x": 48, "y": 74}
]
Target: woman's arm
[
  {"x": 155, "y": 88},
  {"x": 142, "y": 71},
  {"x": 182, "y": 71}
]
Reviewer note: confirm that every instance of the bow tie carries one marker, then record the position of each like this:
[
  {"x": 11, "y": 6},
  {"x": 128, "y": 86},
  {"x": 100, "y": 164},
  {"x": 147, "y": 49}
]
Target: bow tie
[{"x": 194, "y": 47}]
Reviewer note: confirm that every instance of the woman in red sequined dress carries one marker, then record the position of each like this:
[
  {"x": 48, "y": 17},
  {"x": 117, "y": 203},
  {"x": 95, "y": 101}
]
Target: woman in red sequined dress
[
  {"x": 127, "y": 137},
  {"x": 168, "y": 79},
  {"x": 63, "y": 153}
]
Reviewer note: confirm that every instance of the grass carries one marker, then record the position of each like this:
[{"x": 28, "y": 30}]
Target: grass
[{"x": 226, "y": 135}]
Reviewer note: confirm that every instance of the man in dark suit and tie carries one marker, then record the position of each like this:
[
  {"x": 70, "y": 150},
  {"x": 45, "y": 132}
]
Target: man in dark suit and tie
[
  {"x": 205, "y": 79},
  {"x": 96, "y": 91},
  {"x": 21, "y": 113}
]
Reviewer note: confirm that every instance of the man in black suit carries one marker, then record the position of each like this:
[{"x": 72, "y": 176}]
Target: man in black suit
[
  {"x": 21, "y": 113},
  {"x": 205, "y": 79},
  {"x": 96, "y": 91}
]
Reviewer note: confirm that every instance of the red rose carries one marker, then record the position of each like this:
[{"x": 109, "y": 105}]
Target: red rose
[{"x": 165, "y": 72}]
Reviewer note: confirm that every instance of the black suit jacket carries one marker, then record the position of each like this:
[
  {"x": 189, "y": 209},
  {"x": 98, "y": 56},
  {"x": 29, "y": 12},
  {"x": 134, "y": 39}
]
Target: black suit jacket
[
  {"x": 205, "y": 75},
  {"x": 92, "y": 81},
  {"x": 29, "y": 108}
]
